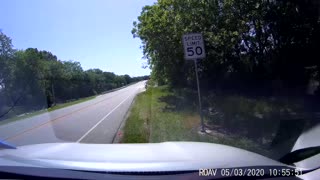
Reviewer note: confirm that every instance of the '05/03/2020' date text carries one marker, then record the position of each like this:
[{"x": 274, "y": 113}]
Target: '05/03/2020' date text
[{"x": 231, "y": 172}]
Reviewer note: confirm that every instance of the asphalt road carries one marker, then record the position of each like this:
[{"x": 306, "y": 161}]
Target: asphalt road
[{"x": 93, "y": 121}]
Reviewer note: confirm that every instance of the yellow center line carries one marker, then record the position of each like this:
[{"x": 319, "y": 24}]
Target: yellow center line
[{"x": 56, "y": 119}]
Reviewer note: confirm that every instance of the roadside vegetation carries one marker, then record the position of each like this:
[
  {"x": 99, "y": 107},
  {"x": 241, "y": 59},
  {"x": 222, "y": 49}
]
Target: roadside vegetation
[
  {"x": 259, "y": 80},
  {"x": 160, "y": 114}
]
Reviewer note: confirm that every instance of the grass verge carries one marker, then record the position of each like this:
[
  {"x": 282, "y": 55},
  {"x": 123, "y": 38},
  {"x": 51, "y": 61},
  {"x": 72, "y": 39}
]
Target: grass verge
[
  {"x": 136, "y": 127},
  {"x": 153, "y": 119},
  {"x": 58, "y": 106}
]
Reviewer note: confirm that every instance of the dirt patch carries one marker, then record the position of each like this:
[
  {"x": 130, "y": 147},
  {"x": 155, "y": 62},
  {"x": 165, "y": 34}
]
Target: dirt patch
[{"x": 191, "y": 121}]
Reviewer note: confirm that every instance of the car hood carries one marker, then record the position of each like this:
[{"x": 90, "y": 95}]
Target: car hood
[{"x": 166, "y": 156}]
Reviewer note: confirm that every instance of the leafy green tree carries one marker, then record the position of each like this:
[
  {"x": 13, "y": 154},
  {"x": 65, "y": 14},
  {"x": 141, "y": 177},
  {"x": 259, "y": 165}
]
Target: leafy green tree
[
  {"x": 120, "y": 81},
  {"x": 249, "y": 43},
  {"x": 127, "y": 78},
  {"x": 6, "y": 66}
]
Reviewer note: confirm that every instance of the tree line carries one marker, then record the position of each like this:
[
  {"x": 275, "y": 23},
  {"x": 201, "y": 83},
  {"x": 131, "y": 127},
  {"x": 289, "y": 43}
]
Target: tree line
[
  {"x": 258, "y": 46},
  {"x": 32, "y": 79}
]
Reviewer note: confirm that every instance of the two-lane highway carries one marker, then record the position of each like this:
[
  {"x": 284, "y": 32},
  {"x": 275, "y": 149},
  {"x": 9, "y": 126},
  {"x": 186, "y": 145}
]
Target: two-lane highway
[{"x": 93, "y": 121}]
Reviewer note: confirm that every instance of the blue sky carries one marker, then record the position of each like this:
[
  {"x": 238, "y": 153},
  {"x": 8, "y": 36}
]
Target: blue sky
[{"x": 97, "y": 33}]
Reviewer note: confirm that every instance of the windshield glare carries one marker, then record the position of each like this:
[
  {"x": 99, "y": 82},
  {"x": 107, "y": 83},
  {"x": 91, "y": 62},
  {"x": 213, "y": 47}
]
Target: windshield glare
[{"x": 239, "y": 73}]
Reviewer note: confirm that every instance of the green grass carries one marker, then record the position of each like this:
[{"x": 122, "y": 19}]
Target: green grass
[
  {"x": 58, "y": 106},
  {"x": 136, "y": 128},
  {"x": 153, "y": 119}
]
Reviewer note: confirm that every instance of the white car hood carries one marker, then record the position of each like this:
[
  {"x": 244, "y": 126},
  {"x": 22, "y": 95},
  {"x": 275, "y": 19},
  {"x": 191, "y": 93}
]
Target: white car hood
[{"x": 167, "y": 156}]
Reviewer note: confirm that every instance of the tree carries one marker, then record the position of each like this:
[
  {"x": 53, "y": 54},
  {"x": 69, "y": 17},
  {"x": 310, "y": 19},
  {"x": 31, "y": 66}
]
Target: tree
[
  {"x": 6, "y": 65},
  {"x": 120, "y": 81},
  {"x": 127, "y": 78},
  {"x": 249, "y": 43},
  {"x": 6, "y": 55}
]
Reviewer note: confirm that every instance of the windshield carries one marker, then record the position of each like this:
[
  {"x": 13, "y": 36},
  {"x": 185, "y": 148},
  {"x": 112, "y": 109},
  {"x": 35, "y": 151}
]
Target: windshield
[{"x": 239, "y": 73}]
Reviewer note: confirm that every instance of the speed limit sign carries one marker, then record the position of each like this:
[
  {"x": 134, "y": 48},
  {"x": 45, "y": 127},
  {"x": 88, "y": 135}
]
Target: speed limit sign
[
  {"x": 193, "y": 46},
  {"x": 194, "y": 50}
]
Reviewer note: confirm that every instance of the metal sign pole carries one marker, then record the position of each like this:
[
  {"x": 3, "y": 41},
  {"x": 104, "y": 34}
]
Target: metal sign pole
[
  {"x": 200, "y": 108},
  {"x": 194, "y": 50}
]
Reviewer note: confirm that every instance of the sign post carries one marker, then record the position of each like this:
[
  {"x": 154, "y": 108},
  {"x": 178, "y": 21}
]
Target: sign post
[{"x": 194, "y": 50}]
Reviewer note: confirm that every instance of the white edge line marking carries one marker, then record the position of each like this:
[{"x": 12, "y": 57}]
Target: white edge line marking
[{"x": 102, "y": 120}]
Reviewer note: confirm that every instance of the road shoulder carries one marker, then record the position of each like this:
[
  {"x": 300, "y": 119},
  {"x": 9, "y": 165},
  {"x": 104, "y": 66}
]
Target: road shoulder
[{"x": 119, "y": 135}]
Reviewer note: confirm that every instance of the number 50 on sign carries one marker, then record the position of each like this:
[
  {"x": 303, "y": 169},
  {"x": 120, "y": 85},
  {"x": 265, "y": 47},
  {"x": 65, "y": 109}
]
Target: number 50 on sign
[{"x": 193, "y": 46}]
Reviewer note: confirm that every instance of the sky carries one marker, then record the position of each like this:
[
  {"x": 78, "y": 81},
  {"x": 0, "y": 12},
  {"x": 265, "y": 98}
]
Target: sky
[{"x": 96, "y": 33}]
